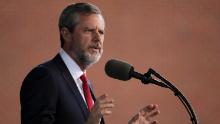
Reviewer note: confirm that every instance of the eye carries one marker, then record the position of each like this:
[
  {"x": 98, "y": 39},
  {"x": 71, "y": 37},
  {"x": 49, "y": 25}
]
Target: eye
[
  {"x": 101, "y": 32},
  {"x": 87, "y": 30}
]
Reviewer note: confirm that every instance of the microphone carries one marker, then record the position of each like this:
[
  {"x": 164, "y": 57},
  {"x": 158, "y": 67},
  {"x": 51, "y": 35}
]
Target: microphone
[
  {"x": 119, "y": 70},
  {"x": 123, "y": 71}
]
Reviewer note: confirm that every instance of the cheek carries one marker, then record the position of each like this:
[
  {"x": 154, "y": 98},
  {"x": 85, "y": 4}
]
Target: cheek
[
  {"x": 84, "y": 42},
  {"x": 82, "y": 39},
  {"x": 85, "y": 37}
]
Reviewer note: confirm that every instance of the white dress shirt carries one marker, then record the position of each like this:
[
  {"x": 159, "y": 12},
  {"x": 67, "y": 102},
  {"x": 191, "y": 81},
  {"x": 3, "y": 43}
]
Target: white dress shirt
[{"x": 74, "y": 70}]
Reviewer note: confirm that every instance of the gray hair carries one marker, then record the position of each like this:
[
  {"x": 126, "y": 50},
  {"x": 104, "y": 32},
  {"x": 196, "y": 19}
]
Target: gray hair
[{"x": 69, "y": 18}]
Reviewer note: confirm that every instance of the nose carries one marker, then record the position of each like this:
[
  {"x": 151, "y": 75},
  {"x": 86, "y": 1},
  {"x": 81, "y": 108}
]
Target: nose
[{"x": 96, "y": 35}]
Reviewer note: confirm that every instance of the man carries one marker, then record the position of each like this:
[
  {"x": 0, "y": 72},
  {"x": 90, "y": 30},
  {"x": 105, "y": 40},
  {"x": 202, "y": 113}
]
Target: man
[{"x": 58, "y": 92}]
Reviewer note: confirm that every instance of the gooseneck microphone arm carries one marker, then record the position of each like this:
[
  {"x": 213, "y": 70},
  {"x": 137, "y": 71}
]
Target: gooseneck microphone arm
[
  {"x": 123, "y": 71},
  {"x": 146, "y": 79},
  {"x": 177, "y": 93}
]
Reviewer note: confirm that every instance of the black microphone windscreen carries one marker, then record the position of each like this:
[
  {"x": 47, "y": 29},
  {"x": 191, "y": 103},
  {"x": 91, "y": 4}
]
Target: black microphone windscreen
[{"x": 118, "y": 69}]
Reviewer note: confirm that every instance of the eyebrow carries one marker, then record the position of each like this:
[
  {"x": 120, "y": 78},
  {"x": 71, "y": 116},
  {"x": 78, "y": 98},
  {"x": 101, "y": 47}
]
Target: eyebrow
[{"x": 93, "y": 28}]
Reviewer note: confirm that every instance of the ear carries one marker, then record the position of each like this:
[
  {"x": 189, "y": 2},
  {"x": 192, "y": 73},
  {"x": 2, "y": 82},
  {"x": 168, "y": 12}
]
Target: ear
[{"x": 66, "y": 34}]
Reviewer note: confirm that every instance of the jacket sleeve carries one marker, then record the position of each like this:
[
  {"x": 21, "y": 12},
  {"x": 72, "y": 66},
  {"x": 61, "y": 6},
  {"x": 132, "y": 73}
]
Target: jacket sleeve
[{"x": 38, "y": 97}]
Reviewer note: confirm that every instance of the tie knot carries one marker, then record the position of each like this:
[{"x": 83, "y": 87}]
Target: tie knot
[{"x": 83, "y": 78}]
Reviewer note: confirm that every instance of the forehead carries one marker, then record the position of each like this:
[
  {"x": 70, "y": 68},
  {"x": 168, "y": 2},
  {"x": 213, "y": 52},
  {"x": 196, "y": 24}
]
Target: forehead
[{"x": 91, "y": 21}]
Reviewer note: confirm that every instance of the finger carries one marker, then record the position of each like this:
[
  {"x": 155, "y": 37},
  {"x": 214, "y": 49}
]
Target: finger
[
  {"x": 100, "y": 107},
  {"x": 106, "y": 101},
  {"x": 135, "y": 118},
  {"x": 104, "y": 112},
  {"x": 102, "y": 96},
  {"x": 153, "y": 114},
  {"x": 103, "y": 109},
  {"x": 100, "y": 114},
  {"x": 101, "y": 102},
  {"x": 149, "y": 108},
  {"x": 154, "y": 122},
  {"x": 150, "y": 113},
  {"x": 107, "y": 105}
]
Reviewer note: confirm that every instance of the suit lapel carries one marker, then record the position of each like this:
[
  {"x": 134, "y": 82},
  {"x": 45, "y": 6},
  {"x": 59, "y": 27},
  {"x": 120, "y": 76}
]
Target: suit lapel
[
  {"x": 70, "y": 81},
  {"x": 94, "y": 98},
  {"x": 91, "y": 90}
]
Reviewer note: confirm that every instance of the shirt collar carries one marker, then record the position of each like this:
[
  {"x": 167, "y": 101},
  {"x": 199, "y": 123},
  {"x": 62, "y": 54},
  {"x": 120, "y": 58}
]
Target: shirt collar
[{"x": 72, "y": 66}]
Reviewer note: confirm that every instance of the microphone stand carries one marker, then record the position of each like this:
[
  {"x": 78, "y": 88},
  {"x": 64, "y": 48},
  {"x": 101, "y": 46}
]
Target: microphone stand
[{"x": 166, "y": 84}]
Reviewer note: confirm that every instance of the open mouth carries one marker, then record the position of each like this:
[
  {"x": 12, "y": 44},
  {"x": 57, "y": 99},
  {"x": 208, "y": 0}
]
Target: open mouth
[
  {"x": 97, "y": 47},
  {"x": 94, "y": 48}
]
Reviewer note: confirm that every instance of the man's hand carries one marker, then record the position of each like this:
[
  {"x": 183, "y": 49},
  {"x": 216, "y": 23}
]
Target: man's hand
[
  {"x": 103, "y": 106},
  {"x": 145, "y": 115}
]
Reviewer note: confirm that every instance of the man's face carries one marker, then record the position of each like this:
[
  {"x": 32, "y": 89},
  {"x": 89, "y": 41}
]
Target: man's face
[{"x": 86, "y": 43}]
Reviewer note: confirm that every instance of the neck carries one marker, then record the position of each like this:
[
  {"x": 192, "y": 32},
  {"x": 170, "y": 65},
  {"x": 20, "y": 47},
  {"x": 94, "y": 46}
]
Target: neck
[{"x": 82, "y": 66}]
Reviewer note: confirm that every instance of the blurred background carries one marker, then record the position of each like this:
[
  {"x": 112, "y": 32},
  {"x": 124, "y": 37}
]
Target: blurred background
[{"x": 180, "y": 39}]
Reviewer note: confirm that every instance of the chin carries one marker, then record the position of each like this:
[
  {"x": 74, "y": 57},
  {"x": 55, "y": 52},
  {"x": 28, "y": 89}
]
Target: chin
[
  {"x": 90, "y": 59},
  {"x": 95, "y": 59}
]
